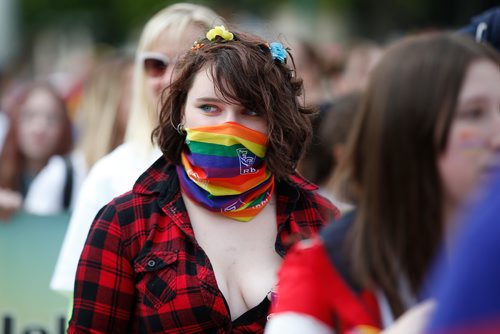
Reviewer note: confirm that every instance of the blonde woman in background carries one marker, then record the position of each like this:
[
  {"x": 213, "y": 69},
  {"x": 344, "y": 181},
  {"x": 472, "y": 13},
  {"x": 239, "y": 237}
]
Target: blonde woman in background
[{"x": 166, "y": 35}]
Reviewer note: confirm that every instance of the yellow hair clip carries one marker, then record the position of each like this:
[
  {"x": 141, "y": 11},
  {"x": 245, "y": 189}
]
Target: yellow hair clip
[{"x": 219, "y": 31}]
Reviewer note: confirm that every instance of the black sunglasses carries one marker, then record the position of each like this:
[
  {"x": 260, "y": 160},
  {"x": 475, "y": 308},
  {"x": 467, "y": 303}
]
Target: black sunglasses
[{"x": 155, "y": 64}]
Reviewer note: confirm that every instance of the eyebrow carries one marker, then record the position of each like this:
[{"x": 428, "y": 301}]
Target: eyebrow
[
  {"x": 472, "y": 100},
  {"x": 209, "y": 99}
]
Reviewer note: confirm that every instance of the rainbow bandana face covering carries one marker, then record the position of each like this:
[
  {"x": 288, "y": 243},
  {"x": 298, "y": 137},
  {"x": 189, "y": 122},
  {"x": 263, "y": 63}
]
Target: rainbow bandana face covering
[{"x": 224, "y": 171}]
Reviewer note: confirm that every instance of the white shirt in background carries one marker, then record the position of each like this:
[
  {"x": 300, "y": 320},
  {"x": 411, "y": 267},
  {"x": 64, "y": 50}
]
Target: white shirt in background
[{"x": 111, "y": 176}]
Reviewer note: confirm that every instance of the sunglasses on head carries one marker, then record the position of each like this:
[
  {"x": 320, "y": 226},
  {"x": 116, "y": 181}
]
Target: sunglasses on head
[{"x": 155, "y": 64}]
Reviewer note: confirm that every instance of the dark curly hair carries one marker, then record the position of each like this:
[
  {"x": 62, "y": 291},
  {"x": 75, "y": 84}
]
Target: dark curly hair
[{"x": 244, "y": 72}]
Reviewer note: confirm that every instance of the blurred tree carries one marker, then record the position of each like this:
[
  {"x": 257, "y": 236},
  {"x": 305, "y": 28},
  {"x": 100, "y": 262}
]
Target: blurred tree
[
  {"x": 379, "y": 19},
  {"x": 112, "y": 21}
]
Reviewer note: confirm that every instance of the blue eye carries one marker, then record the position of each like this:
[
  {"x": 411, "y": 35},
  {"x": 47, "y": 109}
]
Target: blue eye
[{"x": 208, "y": 108}]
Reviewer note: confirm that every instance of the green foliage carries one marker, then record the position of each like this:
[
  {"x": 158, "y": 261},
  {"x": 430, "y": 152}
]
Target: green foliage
[{"x": 112, "y": 21}]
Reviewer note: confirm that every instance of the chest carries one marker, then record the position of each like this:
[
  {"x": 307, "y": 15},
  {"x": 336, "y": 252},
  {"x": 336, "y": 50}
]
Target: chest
[{"x": 242, "y": 254}]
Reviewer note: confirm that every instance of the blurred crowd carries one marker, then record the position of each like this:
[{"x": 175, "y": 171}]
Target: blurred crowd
[
  {"x": 51, "y": 136},
  {"x": 70, "y": 142},
  {"x": 55, "y": 124}
]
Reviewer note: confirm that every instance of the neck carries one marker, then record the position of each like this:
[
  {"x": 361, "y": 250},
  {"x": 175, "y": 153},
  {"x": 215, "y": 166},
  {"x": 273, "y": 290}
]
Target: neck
[
  {"x": 34, "y": 166},
  {"x": 449, "y": 221}
]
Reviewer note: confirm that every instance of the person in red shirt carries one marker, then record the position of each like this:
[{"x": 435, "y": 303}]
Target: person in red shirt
[
  {"x": 428, "y": 134},
  {"x": 195, "y": 246}
]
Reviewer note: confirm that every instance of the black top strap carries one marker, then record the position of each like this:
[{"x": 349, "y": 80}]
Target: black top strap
[{"x": 68, "y": 185}]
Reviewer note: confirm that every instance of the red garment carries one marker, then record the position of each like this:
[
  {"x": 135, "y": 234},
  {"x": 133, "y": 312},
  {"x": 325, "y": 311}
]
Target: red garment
[
  {"x": 142, "y": 271},
  {"x": 310, "y": 285}
]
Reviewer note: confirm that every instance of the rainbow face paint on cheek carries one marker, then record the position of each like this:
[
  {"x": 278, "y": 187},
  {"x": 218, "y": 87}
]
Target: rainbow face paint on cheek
[{"x": 471, "y": 142}]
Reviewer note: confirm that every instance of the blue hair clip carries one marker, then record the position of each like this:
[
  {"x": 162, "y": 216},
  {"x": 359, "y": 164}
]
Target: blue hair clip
[{"x": 278, "y": 52}]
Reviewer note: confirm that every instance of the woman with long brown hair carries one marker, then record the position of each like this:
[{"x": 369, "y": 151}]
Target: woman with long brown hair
[
  {"x": 427, "y": 134},
  {"x": 39, "y": 129}
]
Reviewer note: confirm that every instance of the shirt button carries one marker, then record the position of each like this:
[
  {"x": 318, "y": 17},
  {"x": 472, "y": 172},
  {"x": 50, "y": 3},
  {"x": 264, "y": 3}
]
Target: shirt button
[{"x": 151, "y": 263}]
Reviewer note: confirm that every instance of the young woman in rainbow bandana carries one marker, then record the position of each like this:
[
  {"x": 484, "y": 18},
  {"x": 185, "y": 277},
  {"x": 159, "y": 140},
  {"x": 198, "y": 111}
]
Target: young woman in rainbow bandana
[{"x": 196, "y": 245}]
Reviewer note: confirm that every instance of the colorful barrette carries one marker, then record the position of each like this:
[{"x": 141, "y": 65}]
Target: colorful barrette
[
  {"x": 278, "y": 52},
  {"x": 197, "y": 45}
]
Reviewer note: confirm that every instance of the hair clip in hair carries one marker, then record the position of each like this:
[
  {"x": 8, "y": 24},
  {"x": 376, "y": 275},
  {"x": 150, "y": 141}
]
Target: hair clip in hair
[
  {"x": 224, "y": 34},
  {"x": 278, "y": 52},
  {"x": 197, "y": 45}
]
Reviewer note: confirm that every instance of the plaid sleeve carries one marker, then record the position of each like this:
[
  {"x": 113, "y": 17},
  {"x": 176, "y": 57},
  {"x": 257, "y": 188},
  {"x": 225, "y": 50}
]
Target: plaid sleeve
[{"x": 104, "y": 288}]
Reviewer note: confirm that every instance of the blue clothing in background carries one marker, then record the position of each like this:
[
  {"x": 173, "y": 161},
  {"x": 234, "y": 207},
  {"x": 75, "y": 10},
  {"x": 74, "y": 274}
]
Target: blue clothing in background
[
  {"x": 468, "y": 289},
  {"x": 486, "y": 27}
]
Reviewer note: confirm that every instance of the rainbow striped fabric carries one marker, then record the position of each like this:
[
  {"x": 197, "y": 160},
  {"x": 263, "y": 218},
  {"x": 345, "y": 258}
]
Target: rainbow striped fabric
[{"x": 224, "y": 170}]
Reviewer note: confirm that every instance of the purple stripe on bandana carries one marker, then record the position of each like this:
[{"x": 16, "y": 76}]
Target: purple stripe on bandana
[{"x": 203, "y": 160}]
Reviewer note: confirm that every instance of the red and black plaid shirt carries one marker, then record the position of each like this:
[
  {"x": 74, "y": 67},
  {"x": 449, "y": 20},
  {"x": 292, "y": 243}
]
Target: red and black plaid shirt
[{"x": 142, "y": 271}]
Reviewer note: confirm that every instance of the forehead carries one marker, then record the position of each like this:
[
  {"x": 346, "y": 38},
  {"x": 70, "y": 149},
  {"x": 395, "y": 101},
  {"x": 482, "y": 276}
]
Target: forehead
[
  {"x": 482, "y": 80},
  {"x": 40, "y": 98},
  {"x": 204, "y": 85}
]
